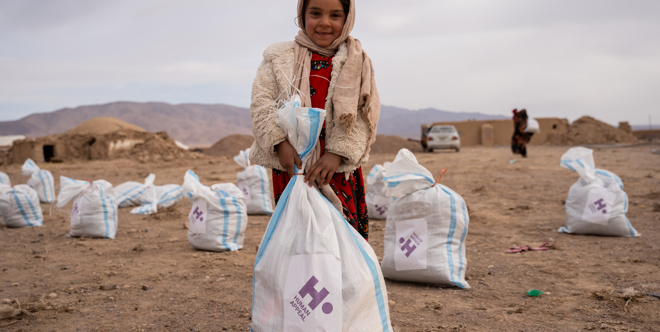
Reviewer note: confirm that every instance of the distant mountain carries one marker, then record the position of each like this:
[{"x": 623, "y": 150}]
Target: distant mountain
[{"x": 200, "y": 124}]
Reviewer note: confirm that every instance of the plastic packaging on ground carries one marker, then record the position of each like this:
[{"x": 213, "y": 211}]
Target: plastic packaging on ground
[
  {"x": 94, "y": 211},
  {"x": 19, "y": 206},
  {"x": 129, "y": 193},
  {"x": 40, "y": 180},
  {"x": 253, "y": 182},
  {"x": 218, "y": 217},
  {"x": 426, "y": 227},
  {"x": 596, "y": 203}
]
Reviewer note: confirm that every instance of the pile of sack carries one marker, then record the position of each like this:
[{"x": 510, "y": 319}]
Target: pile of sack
[
  {"x": 377, "y": 201},
  {"x": 313, "y": 271},
  {"x": 40, "y": 180},
  {"x": 147, "y": 196},
  {"x": 596, "y": 203},
  {"x": 253, "y": 182},
  {"x": 218, "y": 217},
  {"x": 426, "y": 226},
  {"x": 94, "y": 211}
]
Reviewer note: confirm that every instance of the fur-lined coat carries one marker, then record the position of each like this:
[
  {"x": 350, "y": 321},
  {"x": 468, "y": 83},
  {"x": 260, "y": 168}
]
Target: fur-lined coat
[{"x": 271, "y": 89}]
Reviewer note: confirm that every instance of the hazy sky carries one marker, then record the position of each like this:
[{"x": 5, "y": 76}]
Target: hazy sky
[{"x": 557, "y": 58}]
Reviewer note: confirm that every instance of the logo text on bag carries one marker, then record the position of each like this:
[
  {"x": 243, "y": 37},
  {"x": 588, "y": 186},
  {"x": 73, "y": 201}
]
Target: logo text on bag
[
  {"x": 381, "y": 209},
  {"x": 598, "y": 205},
  {"x": 198, "y": 214},
  {"x": 407, "y": 247},
  {"x": 317, "y": 298}
]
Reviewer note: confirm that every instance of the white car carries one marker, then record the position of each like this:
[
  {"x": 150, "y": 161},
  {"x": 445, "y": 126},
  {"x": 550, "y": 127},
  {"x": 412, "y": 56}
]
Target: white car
[{"x": 443, "y": 137}]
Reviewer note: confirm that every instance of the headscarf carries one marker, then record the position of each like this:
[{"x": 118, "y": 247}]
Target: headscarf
[{"x": 355, "y": 87}]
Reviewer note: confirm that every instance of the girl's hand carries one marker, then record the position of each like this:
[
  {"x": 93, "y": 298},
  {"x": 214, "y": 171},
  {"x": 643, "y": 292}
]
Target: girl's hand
[
  {"x": 323, "y": 169},
  {"x": 288, "y": 157}
]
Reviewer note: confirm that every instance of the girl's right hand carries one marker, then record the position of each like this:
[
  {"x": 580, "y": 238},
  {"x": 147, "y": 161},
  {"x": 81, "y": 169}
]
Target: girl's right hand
[{"x": 288, "y": 157}]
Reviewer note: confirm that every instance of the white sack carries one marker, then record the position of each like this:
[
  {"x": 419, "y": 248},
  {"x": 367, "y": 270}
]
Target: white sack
[
  {"x": 377, "y": 201},
  {"x": 4, "y": 179},
  {"x": 94, "y": 211},
  {"x": 313, "y": 271},
  {"x": 532, "y": 126},
  {"x": 596, "y": 203},
  {"x": 218, "y": 217},
  {"x": 155, "y": 197},
  {"x": 129, "y": 193},
  {"x": 253, "y": 182},
  {"x": 40, "y": 180},
  {"x": 19, "y": 206},
  {"x": 426, "y": 227}
]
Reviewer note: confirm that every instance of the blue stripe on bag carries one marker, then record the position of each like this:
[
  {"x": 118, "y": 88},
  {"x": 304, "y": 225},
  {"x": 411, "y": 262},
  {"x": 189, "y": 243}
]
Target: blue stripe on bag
[
  {"x": 315, "y": 120},
  {"x": 20, "y": 207},
  {"x": 387, "y": 178},
  {"x": 34, "y": 212},
  {"x": 105, "y": 213},
  {"x": 625, "y": 210},
  {"x": 130, "y": 198},
  {"x": 272, "y": 225},
  {"x": 225, "y": 229},
  {"x": 114, "y": 213},
  {"x": 167, "y": 193},
  {"x": 566, "y": 163},
  {"x": 370, "y": 264},
  {"x": 238, "y": 223},
  {"x": 43, "y": 185},
  {"x": 170, "y": 199},
  {"x": 460, "y": 248},
  {"x": 450, "y": 237}
]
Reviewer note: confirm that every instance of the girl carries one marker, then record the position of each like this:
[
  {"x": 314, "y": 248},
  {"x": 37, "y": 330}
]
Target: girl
[{"x": 329, "y": 70}]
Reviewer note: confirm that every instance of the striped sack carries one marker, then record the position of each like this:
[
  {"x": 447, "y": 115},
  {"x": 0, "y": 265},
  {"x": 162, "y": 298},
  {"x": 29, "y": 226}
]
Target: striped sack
[
  {"x": 94, "y": 211},
  {"x": 253, "y": 182},
  {"x": 130, "y": 193},
  {"x": 426, "y": 227},
  {"x": 19, "y": 206},
  {"x": 40, "y": 180}
]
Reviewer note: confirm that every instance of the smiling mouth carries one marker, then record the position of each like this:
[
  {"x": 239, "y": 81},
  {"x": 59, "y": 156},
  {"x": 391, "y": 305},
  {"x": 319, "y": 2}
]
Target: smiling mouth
[{"x": 324, "y": 34}]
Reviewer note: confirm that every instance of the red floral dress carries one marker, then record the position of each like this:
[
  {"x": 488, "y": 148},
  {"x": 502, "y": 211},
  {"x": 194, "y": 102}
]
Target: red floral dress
[{"x": 350, "y": 192}]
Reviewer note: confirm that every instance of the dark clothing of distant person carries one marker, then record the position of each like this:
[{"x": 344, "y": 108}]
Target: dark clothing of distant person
[{"x": 520, "y": 137}]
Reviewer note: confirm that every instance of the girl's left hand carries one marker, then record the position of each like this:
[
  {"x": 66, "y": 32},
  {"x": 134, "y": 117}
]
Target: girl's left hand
[{"x": 323, "y": 170}]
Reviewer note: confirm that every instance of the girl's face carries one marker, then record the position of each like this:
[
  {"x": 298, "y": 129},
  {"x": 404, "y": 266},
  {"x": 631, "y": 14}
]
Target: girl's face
[{"x": 324, "y": 20}]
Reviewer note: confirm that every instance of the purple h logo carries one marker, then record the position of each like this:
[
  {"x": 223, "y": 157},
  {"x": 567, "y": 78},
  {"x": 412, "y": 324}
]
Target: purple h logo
[
  {"x": 197, "y": 213},
  {"x": 381, "y": 209},
  {"x": 317, "y": 297},
  {"x": 407, "y": 247},
  {"x": 600, "y": 205}
]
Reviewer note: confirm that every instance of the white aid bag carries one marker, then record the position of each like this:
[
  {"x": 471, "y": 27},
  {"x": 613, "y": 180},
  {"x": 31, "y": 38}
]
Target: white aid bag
[
  {"x": 4, "y": 179},
  {"x": 376, "y": 198},
  {"x": 426, "y": 227},
  {"x": 313, "y": 271},
  {"x": 218, "y": 217},
  {"x": 129, "y": 193},
  {"x": 19, "y": 206},
  {"x": 254, "y": 183},
  {"x": 596, "y": 203},
  {"x": 94, "y": 211},
  {"x": 40, "y": 180},
  {"x": 532, "y": 126},
  {"x": 155, "y": 197}
]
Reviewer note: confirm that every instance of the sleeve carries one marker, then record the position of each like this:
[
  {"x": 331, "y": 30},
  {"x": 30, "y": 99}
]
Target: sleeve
[
  {"x": 351, "y": 144},
  {"x": 266, "y": 132}
]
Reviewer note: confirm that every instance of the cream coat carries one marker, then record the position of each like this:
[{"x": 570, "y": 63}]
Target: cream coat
[{"x": 271, "y": 89}]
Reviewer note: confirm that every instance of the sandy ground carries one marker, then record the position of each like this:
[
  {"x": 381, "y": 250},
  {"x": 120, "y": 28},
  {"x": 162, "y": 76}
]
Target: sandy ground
[{"x": 150, "y": 279}]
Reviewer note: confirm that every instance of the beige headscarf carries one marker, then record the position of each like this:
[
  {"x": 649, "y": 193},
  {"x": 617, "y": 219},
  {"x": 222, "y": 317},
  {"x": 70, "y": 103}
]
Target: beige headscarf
[{"x": 355, "y": 88}]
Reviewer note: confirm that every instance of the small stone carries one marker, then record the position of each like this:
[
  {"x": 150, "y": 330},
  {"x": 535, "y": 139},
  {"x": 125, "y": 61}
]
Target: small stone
[
  {"x": 15, "y": 284},
  {"x": 194, "y": 255},
  {"x": 52, "y": 295},
  {"x": 6, "y": 301},
  {"x": 392, "y": 303},
  {"x": 145, "y": 287},
  {"x": 110, "y": 298}
]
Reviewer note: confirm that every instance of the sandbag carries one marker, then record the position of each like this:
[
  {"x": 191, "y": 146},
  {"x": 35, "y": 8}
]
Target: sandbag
[
  {"x": 532, "y": 126},
  {"x": 40, "y": 180},
  {"x": 377, "y": 201},
  {"x": 129, "y": 193},
  {"x": 596, "y": 203},
  {"x": 94, "y": 211},
  {"x": 19, "y": 206},
  {"x": 313, "y": 271},
  {"x": 4, "y": 179},
  {"x": 253, "y": 182},
  {"x": 155, "y": 197},
  {"x": 218, "y": 217},
  {"x": 426, "y": 227}
]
